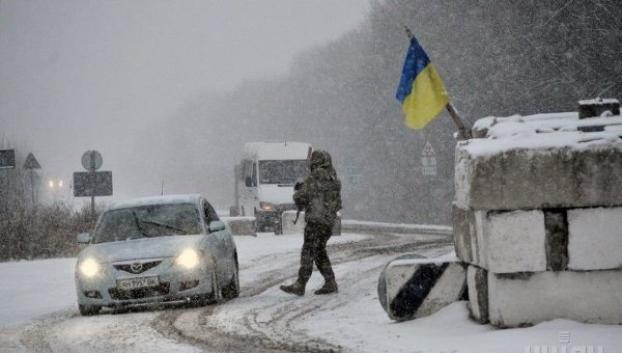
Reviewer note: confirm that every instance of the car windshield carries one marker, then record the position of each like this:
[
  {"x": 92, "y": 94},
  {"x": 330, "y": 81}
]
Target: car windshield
[
  {"x": 281, "y": 172},
  {"x": 147, "y": 222}
]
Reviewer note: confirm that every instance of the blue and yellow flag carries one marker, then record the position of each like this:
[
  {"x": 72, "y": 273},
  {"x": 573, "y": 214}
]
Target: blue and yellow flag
[{"x": 421, "y": 90}]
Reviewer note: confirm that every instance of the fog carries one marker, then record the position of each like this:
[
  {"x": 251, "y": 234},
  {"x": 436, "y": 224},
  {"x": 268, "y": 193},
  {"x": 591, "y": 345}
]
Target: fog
[
  {"x": 81, "y": 74},
  {"x": 170, "y": 91}
]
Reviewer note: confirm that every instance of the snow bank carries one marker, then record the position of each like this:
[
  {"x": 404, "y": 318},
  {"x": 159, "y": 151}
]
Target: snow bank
[{"x": 34, "y": 288}]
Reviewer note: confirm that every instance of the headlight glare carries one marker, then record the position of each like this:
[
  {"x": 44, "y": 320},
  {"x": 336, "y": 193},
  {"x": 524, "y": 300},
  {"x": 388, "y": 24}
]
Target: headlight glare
[
  {"x": 189, "y": 258},
  {"x": 266, "y": 206},
  {"x": 89, "y": 267}
]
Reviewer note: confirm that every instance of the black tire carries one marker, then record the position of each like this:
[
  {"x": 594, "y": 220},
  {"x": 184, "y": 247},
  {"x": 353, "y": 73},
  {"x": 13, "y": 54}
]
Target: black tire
[
  {"x": 278, "y": 228},
  {"x": 232, "y": 290},
  {"x": 89, "y": 310}
]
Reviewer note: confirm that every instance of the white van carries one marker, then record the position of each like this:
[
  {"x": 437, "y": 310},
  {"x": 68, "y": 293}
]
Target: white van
[{"x": 265, "y": 180}]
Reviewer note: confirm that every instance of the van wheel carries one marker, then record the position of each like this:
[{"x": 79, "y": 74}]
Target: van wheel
[
  {"x": 89, "y": 310},
  {"x": 232, "y": 290}
]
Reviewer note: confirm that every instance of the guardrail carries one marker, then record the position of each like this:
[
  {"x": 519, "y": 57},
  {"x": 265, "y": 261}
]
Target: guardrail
[{"x": 348, "y": 225}]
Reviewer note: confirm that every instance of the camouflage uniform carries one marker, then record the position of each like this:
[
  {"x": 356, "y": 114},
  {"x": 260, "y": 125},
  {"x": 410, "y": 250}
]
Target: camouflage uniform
[{"x": 321, "y": 197}]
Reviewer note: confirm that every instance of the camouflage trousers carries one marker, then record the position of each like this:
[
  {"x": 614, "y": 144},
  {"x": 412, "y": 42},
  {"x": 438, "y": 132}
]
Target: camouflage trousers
[{"x": 314, "y": 251}]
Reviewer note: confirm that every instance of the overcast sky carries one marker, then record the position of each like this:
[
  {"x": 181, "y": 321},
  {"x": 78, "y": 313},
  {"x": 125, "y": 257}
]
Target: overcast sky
[{"x": 83, "y": 74}]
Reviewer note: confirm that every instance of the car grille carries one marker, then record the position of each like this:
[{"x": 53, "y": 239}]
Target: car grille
[
  {"x": 118, "y": 294},
  {"x": 137, "y": 267}
]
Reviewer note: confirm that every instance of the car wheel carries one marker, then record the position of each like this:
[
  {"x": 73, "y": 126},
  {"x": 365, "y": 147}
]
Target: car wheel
[
  {"x": 232, "y": 290},
  {"x": 89, "y": 310},
  {"x": 278, "y": 228}
]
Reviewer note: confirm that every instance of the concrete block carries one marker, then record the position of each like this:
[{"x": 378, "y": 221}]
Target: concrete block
[
  {"x": 477, "y": 284},
  {"x": 518, "y": 300},
  {"x": 556, "y": 227},
  {"x": 241, "y": 225},
  {"x": 501, "y": 242},
  {"x": 597, "y": 107},
  {"x": 288, "y": 223},
  {"x": 538, "y": 172},
  {"x": 411, "y": 286},
  {"x": 288, "y": 226},
  {"x": 463, "y": 227},
  {"x": 595, "y": 238}
]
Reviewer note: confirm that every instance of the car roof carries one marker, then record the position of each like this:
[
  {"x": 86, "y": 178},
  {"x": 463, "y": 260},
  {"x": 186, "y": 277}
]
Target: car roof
[
  {"x": 277, "y": 150},
  {"x": 158, "y": 200}
]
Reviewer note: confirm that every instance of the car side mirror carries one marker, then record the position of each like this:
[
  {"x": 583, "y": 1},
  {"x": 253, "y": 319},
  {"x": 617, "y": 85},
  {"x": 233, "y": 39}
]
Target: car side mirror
[
  {"x": 84, "y": 238},
  {"x": 216, "y": 226},
  {"x": 248, "y": 181}
]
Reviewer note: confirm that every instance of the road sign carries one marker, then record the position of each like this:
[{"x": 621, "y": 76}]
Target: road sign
[
  {"x": 92, "y": 160},
  {"x": 91, "y": 184},
  {"x": 7, "y": 159},
  {"x": 31, "y": 162},
  {"x": 428, "y": 160}
]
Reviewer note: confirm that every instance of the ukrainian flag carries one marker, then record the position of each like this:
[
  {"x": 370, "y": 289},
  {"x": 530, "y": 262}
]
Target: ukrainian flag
[{"x": 421, "y": 90}]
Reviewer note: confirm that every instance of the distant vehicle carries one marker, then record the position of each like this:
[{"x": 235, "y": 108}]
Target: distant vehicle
[
  {"x": 160, "y": 249},
  {"x": 264, "y": 186}
]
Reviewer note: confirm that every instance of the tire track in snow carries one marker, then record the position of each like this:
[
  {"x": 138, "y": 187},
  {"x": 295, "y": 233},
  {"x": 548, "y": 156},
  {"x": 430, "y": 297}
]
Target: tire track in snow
[
  {"x": 253, "y": 331},
  {"x": 264, "y": 326}
]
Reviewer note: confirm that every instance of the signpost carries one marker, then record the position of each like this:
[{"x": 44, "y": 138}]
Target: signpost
[
  {"x": 92, "y": 183},
  {"x": 31, "y": 164},
  {"x": 428, "y": 160}
]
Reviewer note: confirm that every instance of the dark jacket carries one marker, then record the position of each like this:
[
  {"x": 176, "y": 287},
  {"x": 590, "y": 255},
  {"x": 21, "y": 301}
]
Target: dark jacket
[{"x": 321, "y": 192}]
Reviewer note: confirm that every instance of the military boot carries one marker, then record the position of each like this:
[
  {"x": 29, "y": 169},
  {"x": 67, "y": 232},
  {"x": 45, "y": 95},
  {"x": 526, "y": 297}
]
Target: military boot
[
  {"x": 330, "y": 286},
  {"x": 297, "y": 288}
]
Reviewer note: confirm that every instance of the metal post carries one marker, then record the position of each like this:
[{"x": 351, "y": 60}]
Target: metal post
[
  {"x": 92, "y": 172},
  {"x": 463, "y": 132},
  {"x": 32, "y": 188}
]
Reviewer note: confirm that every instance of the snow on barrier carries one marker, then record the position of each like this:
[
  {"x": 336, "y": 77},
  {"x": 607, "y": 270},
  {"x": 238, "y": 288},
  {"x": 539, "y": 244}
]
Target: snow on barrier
[
  {"x": 287, "y": 221},
  {"x": 374, "y": 227},
  {"x": 411, "y": 286},
  {"x": 537, "y": 216},
  {"x": 241, "y": 225}
]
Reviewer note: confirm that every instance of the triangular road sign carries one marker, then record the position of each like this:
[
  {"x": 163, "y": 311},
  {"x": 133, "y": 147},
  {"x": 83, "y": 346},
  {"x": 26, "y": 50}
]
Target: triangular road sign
[
  {"x": 31, "y": 162},
  {"x": 428, "y": 150}
]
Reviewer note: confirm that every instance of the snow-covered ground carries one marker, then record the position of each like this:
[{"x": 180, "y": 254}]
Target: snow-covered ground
[
  {"x": 33, "y": 289},
  {"x": 38, "y": 313}
]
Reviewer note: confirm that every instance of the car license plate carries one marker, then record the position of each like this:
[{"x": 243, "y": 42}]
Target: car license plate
[{"x": 138, "y": 282}]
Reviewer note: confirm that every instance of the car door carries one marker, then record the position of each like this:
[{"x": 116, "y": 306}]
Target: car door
[{"x": 218, "y": 243}]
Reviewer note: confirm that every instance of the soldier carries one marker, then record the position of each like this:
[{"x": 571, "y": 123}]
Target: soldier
[{"x": 320, "y": 195}]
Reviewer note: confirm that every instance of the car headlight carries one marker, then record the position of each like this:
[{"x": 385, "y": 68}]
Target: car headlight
[
  {"x": 89, "y": 267},
  {"x": 189, "y": 258},
  {"x": 266, "y": 206}
]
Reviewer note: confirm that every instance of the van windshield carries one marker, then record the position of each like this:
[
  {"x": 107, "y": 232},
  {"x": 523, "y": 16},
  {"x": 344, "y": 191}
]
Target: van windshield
[
  {"x": 147, "y": 222},
  {"x": 281, "y": 172}
]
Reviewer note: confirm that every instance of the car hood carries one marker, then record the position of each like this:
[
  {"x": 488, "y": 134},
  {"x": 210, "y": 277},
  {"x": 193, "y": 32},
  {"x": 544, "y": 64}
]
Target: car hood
[
  {"x": 276, "y": 194},
  {"x": 145, "y": 248}
]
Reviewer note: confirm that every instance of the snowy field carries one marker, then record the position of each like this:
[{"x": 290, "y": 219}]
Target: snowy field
[{"x": 38, "y": 311}]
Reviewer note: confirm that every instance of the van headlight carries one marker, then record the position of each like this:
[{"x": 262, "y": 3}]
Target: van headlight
[
  {"x": 266, "y": 206},
  {"x": 189, "y": 258},
  {"x": 89, "y": 267}
]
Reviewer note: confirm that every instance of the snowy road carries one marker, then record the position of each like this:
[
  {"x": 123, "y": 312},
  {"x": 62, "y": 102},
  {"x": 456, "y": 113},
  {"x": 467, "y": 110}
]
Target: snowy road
[{"x": 264, "y": 319}]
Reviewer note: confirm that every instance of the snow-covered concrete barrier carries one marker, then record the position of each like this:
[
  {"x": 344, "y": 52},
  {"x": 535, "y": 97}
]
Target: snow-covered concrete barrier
[
  {"x": 289, "y": 227},
  {"x": 537, "y": 216},
  {"x": 287, "y": 221},
  {"x": 404, "y": 228},
  {"x": 411, "y": 286},
  {"x": 520, "y": 299},
  {"x": 241, "y": 225}
]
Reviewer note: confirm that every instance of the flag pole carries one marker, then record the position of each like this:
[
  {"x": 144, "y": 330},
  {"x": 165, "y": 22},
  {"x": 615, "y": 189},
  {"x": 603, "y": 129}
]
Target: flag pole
[{"x": 463, "y": 132}]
